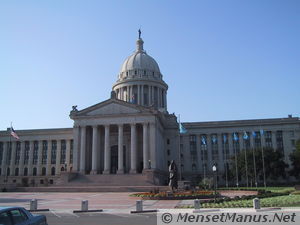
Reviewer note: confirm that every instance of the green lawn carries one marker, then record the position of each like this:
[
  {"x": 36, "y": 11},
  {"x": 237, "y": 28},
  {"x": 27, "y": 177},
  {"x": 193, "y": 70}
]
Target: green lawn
[
  {"x": 280, "y": 201},
  {"x": 272, "y": 189}
]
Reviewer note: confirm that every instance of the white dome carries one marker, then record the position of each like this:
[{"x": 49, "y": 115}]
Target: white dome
[{"x": 140, "y": 60}]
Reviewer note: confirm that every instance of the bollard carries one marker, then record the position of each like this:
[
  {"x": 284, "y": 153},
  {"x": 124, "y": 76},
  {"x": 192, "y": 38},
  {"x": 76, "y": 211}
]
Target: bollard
[
  {"x": 139, "y": 205},
  {"x": 256, "y": 203},
  {"x": 197, "y": 204},
  {"x": 33, "y": 204},
  {"x": 84, "y": 205}
]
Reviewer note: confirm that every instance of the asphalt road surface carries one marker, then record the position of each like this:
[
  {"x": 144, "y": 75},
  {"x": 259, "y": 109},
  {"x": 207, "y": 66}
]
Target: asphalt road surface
[{"x": 101, "y": 218}]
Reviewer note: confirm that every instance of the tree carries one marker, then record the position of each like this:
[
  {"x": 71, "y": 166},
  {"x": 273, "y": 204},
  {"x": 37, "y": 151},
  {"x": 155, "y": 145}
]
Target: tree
[
  {"x": 274, "y": 165},
  {"x": 295, "y": 160}
]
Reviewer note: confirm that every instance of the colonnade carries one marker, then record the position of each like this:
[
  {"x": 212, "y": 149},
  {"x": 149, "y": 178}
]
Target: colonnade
[
  {"x": 100, "y": 149},
  {"x": 143, "y": 95}
]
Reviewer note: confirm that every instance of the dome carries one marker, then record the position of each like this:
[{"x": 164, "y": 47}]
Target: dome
[{"x": 140, "y": 60}]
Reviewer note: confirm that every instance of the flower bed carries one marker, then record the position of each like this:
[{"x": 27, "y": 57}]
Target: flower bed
[{"x": 175, "y": 195}]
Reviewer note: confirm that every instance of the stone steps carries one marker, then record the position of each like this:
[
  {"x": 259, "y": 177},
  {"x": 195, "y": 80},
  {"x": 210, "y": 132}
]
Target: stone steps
[
  {"x": 91, "y": 189},
  {"x": 108, "y": 180}
]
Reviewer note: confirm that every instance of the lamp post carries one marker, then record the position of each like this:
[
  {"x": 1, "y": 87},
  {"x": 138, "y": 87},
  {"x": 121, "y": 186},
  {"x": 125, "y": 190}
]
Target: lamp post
[{"x": 214, "y": 169}]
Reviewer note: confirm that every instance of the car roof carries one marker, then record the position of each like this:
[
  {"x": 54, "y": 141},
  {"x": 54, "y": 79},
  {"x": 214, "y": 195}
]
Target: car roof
[{"x": 3, "y": 208}]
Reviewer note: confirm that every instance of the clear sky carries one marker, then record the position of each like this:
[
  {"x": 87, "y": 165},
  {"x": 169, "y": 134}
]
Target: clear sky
[{"x": 222, "y": 60}]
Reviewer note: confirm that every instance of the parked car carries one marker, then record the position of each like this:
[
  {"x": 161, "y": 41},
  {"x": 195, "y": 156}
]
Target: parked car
[{"x": 20, "y": 216}]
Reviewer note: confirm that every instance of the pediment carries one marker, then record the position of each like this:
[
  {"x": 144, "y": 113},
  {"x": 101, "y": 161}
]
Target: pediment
[{"x": 110, "y": 107}]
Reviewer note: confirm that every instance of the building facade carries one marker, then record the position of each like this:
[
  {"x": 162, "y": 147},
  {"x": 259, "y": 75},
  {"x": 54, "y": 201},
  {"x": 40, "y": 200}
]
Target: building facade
[{"x": 133, "y": 133}]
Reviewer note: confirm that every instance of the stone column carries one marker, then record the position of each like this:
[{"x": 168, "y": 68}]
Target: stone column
[
  {"x": 241, "y": 141},
  {"x": 120, "y": 149},
  {"x": 152, "y": 142},
  {"x": 107, "y": 150},
  {"x": 145, "y": 146},
  {"x": 149, "y": 95},
  {"x": 49, "y": 147},
  {"x": 30, "y": 161},
  {"x": 274, "y": 143},
  {"x": 158, "y": 97},
  {"x": 209, "y": 153},
  {"x": 230, "y": 144},
  {"x": 94, "y": 150},
  {"x": 40, "y": 155},
  {"x": 76, "y": 149},
  {"x": 220, "y": 149},
  {"x": 68, "y": 153},
  {"x": 133, "y": 149},
  {"x": 4, "y": 159},
  {"x": 142, "y": 96},
  {"x": 82, "y": 149},
  {"x": 21, "y": 162},
  {"x": 165, "y": 99},
  {"x": 58, "y": 157},
  {"x": 139, "y": 97},
  {"x": 13, "y": 158}
]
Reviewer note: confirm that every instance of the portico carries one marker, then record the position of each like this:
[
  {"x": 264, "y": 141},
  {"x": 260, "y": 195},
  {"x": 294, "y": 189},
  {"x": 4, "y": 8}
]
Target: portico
[{"x": 105, "y": 143}]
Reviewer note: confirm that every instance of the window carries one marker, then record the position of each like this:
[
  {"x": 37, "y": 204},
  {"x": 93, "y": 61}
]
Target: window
[
  {"x": 63, "y": 152},
  {"x": 18, "y": 216},
  {"x": 168, "y": 141},
  {"x": 34, "y": 171},
  {"x": 26, "y": 154},
  {"x": 292, "y": 133},
  {"x": 53, "y": 152},
  {"x": 35, "y": 152},
  {"x": 53, "y": 171},
  {"x": 18, "y": 150},
  {"x": 25, "y": 171},
  {"x": 168, "y": 152},
  {"x": 44, "y": 152},
  {"x": 71, "y": 152},
  {"x": 44, "y": 171},
  {"x": 5, "y": 219},
  {"x": 193, "y": 144},
  {"x": 1, "y": 152}
]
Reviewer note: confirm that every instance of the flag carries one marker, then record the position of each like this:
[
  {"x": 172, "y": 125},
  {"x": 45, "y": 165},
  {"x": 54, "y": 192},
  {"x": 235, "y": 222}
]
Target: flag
[
  {"x": 214, "y": 139},
  {"x": 132, "y": 99},
  {"x": 235, "y": 137},
  {"x": 261, "y": 132},
  {"x": 13, "y": 133},
  {"x": 245, "y": 135},
  {"x": 203, "y": 140},
  {"x": 254, "y": 134},
  {"x": 224, "y": 138},
  {"x": 182, "y": 130}
]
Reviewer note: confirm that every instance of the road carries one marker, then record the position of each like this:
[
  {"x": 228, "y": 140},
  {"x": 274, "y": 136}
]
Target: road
[{"x": 102, "y": 218}]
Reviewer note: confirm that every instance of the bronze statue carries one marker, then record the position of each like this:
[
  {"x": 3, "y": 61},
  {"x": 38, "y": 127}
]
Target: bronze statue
[{"x": 173, "y": 176}]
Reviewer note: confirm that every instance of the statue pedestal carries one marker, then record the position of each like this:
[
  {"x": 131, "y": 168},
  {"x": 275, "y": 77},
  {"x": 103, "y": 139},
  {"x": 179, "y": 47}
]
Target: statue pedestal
[{"x": 184, "y": 185}]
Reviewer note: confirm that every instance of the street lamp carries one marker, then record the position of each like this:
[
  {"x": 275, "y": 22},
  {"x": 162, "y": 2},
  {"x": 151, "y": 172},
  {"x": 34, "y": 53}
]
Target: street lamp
[{"x": 214, "y": 169}]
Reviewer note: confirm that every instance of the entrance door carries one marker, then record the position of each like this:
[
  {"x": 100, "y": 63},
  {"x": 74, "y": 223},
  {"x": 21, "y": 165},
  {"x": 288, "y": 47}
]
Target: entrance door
[{"x": 114, "y": 159}]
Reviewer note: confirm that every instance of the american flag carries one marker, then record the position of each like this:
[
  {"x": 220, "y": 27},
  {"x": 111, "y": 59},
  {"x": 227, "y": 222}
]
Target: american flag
[{"x": 13, "y": 133}]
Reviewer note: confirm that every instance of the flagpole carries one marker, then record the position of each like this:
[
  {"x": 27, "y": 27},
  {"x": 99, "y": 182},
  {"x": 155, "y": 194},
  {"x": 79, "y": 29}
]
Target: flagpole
[
  {"x": 236, "y": 166},
  {"x": 254, "y": 162},
  {"x": 263, "y": 157},
  {"x": 246, "y": 164},
  {"x": 179, "y": 151},
  {"x": 226, "y": 178}
]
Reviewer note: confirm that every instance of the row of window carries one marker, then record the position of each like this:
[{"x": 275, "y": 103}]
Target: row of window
[
  {"x": 34, "y": 171},
  {"x": 35, "y": 152}
]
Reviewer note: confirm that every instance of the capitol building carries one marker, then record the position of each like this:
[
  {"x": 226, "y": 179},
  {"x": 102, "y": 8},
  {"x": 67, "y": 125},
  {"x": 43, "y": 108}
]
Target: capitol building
[{"x": 131, "y": 138}]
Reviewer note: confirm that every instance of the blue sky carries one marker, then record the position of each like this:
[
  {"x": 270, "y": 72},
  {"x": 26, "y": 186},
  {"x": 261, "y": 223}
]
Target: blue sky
[{"x": 222, "y": 60}]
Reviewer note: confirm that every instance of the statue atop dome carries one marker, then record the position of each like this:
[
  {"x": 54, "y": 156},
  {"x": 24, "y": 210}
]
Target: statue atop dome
[{"x": 140, "y": 32}]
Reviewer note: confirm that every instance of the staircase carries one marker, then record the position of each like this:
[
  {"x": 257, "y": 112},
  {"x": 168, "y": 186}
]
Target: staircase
[{"x": 99, "y": 183}]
